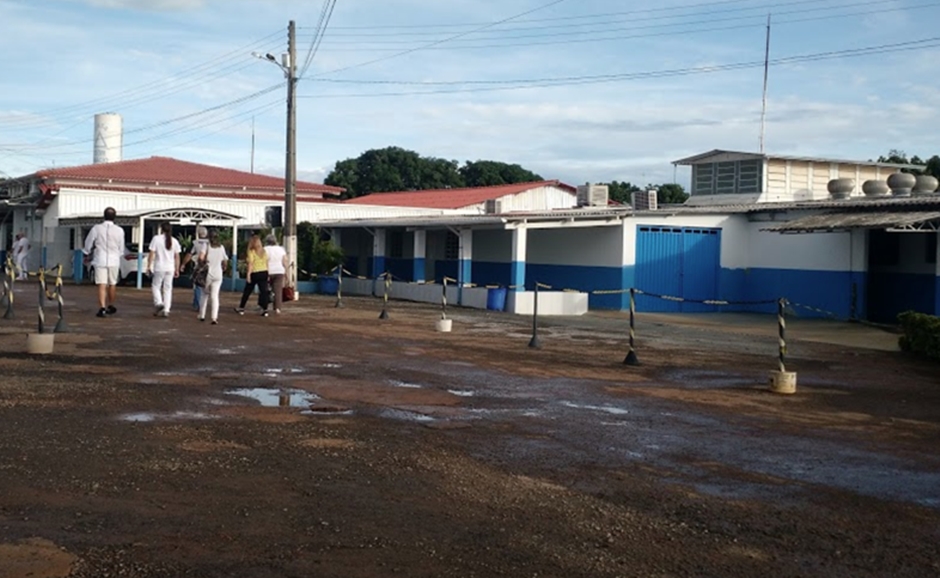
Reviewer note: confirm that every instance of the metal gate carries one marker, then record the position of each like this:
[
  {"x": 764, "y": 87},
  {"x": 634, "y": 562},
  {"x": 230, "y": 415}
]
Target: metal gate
[{"x": 679, "y": 262}]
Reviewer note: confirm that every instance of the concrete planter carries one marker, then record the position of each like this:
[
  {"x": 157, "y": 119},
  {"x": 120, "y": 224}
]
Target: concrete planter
[
  {"x": 40, "y": 343},
  {"x": 901, "y": 184},
  {"x": 841, "y": 188},
  {"x": 925, "y": 184},
  {"x": 874, "y": 189},
  {"x": 783, "y": 382},
  {"x": 444, "y": 325}
]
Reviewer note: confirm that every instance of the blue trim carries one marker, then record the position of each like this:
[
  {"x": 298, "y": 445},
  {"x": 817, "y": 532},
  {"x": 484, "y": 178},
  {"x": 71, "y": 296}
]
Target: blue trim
[
  {"x": 78, "y": 266},
  {"x": 464, "y": 271},
  {"x": 582, "y": 279},
  {"x": 378, "y": 266},
  {"x": 893, "y": 293},
  {"x": 417, "y": 269},
  {"x": 517, "y": 275}
]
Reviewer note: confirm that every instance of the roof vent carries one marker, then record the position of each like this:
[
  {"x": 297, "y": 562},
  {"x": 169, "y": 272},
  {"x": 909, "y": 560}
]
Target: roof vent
[
  {"x": 926, "y": 185},
  {"x": 644, "y": 200},
  {"x": 840, "y": 189},
  {"x": 902, "y": 184},
  {"x": 592, "y": 195},
  {"x": 874, "y": 189}
]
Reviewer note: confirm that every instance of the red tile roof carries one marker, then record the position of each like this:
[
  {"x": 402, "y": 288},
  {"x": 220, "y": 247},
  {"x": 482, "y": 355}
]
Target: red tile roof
[
  {"x": 176, "y": 173},
  {"x": 452, "y": 198}
]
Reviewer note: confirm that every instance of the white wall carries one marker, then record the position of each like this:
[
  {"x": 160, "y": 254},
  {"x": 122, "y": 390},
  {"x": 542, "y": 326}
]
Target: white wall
[
  {"x": 809, "y": 251},
  {"x": 550, "y": 302},
  {"x": 590, "y": 247}
]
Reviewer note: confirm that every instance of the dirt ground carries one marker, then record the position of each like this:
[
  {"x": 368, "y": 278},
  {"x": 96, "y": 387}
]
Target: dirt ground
[{"x": 325, "y": 442}]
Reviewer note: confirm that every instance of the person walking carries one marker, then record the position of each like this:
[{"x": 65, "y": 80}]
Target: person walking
[
  {"x": 21, "y": 256},
  {"x": 163, "y": 262},
  {"x": 200, "y": 244},
  {"x": 217, "y": 259},
  {"x": 257, "y": 273},
  {"x": 277, "y": 268},
  {"x": 105, "y": 244}
]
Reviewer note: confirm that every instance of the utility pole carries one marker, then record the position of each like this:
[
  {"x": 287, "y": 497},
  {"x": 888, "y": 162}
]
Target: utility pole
[{"x": 290, "y": 171}]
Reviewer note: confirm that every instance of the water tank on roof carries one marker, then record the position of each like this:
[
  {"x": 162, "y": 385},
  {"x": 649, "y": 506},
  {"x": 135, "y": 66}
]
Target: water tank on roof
[{"x": 109, "y": 137}]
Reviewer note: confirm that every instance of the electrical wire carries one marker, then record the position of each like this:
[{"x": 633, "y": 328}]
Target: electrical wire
[{"x": 325, "y": 15}]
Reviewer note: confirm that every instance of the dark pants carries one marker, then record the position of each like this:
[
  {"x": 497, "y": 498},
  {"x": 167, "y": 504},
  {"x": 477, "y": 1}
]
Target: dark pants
[{"x": 259, "y": 279}]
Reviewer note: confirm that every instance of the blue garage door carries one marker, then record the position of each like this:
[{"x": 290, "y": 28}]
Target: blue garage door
[{"x": 679, "y": 262}]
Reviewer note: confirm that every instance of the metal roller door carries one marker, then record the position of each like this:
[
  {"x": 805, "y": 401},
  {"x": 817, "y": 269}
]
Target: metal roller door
[{"x": 680, "y": 262}]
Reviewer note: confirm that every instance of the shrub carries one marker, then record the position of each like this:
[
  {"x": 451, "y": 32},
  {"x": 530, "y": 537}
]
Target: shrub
[{"x": 921, "y": 333}]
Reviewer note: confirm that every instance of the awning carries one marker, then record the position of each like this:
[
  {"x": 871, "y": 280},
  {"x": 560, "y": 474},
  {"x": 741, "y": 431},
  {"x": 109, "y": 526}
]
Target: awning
[
  {"x": 181, "y": 216},
  {"x": 828, "y": 222}
]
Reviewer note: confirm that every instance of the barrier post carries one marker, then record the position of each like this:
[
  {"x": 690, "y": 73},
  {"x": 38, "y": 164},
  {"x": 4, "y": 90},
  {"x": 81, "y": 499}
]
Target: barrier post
[
  {"x": 534, "y": 343},
  {"x": 631, "y": 358},
  {"x": 388, "y": 285},
  {"x": 61, "y": 326},
  {"x": 42, "y": 298},
  {"x": 8, "y": 282},
  {"x": 339, "y": 287},
  {"x": 782, "y": 381}
]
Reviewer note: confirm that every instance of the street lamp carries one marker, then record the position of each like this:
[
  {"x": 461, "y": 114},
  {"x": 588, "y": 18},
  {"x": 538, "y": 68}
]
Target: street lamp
[{"x": 288, "y": 66}]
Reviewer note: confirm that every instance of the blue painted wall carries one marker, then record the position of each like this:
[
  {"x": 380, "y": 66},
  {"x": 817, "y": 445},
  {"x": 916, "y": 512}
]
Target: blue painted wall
[{"x": 582, "y": 279}]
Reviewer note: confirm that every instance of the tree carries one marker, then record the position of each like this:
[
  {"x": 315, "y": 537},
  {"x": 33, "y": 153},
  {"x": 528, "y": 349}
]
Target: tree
[
  {"x": 620, "y": 191},
  {"x": 488, "y": 173},
  {"x": 398, "y": 169},
  {"x": 671, "y": 193}
]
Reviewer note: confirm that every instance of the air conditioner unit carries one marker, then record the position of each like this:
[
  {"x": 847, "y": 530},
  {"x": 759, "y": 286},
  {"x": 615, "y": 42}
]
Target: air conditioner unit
[
  {"x": 644, "y": 200},
  {"x": 592, "y": 195},
  {"x": 493, "y": 207}
]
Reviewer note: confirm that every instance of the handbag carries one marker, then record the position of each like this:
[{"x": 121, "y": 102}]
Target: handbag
[
  {"x": 200, "y": 273},
  {"x": 287, "y": 293}
]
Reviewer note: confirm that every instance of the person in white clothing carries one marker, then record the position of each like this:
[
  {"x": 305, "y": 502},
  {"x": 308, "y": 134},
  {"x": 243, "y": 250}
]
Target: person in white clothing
[
  {"x": 217, "y": 259},
  {"x": 105, "y": 245},
  {"x": 21, "y": 255},
  {"x": 277, "y": 267},
  {"x": 164, "y": 263}
]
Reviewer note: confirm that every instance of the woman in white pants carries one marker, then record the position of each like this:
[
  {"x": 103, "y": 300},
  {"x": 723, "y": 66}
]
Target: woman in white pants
[
  {"x": 217, "y": 259},
  {"x": 164, "y": 263}
]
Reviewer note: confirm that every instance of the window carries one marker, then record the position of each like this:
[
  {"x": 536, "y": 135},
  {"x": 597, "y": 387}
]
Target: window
[
  {"x": 451, "y": 247},
  {"x": 728, "y": 177}
]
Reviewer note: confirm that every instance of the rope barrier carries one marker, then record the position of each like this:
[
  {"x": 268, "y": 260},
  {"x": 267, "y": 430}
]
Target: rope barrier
[
  {"x": 782, "y": 331},
  {"x": 444, "y": 300},
  {"x": 8, "y": 282},
  {"x": 534, "y": 343},
  {"x": 339, "y": 286},
  {"x": 631, "y": 358},
  {"x": 388, "y": 286},
  {"x": 42, "y": 298}
]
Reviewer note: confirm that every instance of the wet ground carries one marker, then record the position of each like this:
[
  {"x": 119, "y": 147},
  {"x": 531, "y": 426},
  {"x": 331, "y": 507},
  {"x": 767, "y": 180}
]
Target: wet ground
[{"x": 326, "y": 442}]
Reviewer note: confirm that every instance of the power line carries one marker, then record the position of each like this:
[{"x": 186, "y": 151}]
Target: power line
[
  {"x": 325, "y": 15},
  {"x": 496, "y": 85},
  {"x": 438, "y": 42}
]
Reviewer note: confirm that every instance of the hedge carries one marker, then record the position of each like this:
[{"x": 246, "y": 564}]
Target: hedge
[{"x": 921, "y": 333}]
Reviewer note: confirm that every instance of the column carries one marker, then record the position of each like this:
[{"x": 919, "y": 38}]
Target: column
[
  {"x": 465, "y": 257},
  {"x": 517, "y": 266},
  {"x": 378, "y": 253},
  {"x": 420, "y": 250}
]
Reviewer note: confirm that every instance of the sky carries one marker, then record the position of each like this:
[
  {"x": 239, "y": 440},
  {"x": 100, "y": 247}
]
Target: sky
[{"x": 576, "y": 90}]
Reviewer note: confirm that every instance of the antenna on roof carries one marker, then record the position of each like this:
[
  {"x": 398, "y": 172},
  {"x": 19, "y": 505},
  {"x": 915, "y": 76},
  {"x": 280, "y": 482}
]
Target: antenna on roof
[
  {"x": 763, "y": 109},
  {"x": 252, "y": 145}
]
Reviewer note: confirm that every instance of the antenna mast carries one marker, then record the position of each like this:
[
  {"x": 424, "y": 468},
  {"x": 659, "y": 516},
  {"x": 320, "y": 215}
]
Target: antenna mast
[
  {"x": 252, "y": 145},
  {"x": 763, "y": 110}
]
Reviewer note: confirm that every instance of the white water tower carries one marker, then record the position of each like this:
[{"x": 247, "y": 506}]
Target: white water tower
[{"x": 109, "y": 137}]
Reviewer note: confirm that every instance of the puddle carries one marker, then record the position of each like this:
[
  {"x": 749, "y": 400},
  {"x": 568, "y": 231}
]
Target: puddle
[
  {"x": 405, "y": 415},
  {"x": 331, "y": 365},
  {"x": 706, "y": 379},
  {"x": 276, "y": 371},
  {"x": 274, "y": 397},
  {"x": 462, "y": 392},
  {"x": 328, "y": 411},
  {"x": 147, "y": 416},
  {"x": 398, "y": 383},
  {"x": 225, "y": 351},
  {"x": 603, "y": 408}
]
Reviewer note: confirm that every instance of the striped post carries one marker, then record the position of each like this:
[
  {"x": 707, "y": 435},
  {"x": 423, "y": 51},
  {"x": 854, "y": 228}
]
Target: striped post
[
  {"x": 534, "y": 343},
  {"x": 8, "y": 282},
  {"x": 61, "y": 326},
  {"x": 339, "y": 287},
  {"x": 444, "y": 299},
  {"x": 388, "y": 285},
  {"x": 782, "y": 330},
  {"x": 42, "y": 298},
  {"x": 631, "y": 358}
]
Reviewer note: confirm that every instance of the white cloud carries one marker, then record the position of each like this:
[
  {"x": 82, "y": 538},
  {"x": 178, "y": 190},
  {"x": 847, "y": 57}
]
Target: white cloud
[{"x": 154, "y": 5}]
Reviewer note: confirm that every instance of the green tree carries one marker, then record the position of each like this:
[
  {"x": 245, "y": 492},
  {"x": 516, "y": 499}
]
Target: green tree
[
  {"x": 489, "y": 173},
  {"x": 620, "y": 191},
  {"x": 670, "y": 193}
]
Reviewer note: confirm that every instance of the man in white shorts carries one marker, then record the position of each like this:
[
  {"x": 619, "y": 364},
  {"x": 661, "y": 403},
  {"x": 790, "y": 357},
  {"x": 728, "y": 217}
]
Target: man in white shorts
[{"x": 105, "y": 243}]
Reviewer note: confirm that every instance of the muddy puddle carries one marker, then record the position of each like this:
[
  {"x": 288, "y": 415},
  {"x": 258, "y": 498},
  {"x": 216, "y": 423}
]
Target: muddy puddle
[
  {"x": 275, "y": 397},
  {"x": 150, "y": 416}
]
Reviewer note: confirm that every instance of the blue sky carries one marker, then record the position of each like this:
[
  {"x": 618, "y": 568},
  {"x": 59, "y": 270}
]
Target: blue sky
[{"x": 174, "y": 70}]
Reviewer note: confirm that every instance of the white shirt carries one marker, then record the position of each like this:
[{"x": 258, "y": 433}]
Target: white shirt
[
  {"x": 164, "y": 260},
  {"x": 106, "y": 241},
  {"x": 215, "y": 256},
  {"x": 276, "y": 256},
  {"x": 21, "y": 246}
]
